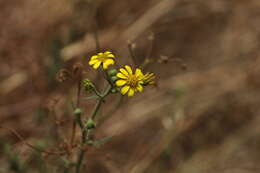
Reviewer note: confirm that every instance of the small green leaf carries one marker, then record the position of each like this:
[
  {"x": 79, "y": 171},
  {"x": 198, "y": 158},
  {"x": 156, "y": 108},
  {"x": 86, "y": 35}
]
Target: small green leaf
[
  {"x": 99, "y": 142},
  {"x": 91, "y": 97}
]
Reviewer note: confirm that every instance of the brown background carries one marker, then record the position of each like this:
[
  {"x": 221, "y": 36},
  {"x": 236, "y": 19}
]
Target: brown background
[{"x": 202, "y": 118}]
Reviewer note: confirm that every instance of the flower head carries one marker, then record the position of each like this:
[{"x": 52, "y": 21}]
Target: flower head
[
  {"x": 129, "y": 81},
  {"x": 105, "y": 59}
]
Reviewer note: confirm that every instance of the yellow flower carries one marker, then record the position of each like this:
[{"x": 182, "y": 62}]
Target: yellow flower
[
  {"x": 148, "y": 79},
  {"x": 105, "y": 59},
  {"x": 129, "y": 81}
]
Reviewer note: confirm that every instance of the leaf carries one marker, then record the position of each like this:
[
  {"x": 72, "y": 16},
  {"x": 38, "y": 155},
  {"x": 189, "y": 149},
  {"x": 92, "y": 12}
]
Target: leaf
[
  {"x": 91, "y": 97},
  {"x": 99, "y": 142}
]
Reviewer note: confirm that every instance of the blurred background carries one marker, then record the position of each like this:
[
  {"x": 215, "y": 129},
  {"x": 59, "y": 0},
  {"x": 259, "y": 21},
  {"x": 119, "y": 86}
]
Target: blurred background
[{"x": 202, "y": 117}]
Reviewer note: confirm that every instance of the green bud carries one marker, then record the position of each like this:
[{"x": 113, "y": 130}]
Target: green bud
[
  {"x": 90, "y": 142},
  {"x": 77, "y": 112},
  {"x": 88, "y": 85},
  {"x": 112, "y": 72},
  {"x": 90, "y": 124},
  {"x": 114, "y": 78},
  {"x": 114, "y": 90}
]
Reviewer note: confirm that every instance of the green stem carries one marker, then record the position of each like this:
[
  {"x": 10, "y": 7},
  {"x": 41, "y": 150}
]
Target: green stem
[
  {"x": 79, "y": 161},
  {"x": 79, "y": 121},
  {"x": 82, "y": 151},
  {"x": 98, "y": 104},
  {"x": 85, "y": 133},
  {"x": 96, "y": 92},
  {"x": 107, "y": 78}
]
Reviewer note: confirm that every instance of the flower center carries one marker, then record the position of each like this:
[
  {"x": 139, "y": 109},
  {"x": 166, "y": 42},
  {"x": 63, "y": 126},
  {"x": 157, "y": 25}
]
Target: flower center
[
  {"x": 102, "y": 57},
  {"x": 132, "y": 81}
]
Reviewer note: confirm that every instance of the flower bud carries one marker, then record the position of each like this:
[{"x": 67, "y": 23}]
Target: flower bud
[
  {"x": 90, "y": 142},
  {"x": 114, "y": 78},
  {"x": 77, "y": 112},
  {"x": 112, "y": 72},
  {"x": 90, "y": 124},
  {"x": 114, "y": 90},
  {"x": 88, "y": 85}
]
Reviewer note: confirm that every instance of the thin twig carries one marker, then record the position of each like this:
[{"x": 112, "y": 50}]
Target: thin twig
[
  {"x": 131, "y": 51},
  {"x": 96, "y": 36},
  {"x": 148, "y": 58},
  {"x": 96, "y": 40},
  {"x": 30, "y": 145},
  {"x": 94, "y": 113},
  {"x": 73, "y": 133},
  {"x": 78, "y": 92}
]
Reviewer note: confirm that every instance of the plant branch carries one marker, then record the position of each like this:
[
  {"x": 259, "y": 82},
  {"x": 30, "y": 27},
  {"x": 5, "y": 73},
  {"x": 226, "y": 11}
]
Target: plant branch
[
  {"x": 86, "y": 132},
  {"x": 73, "y": 132},
  {"x": 98, "y": 104},
  {"x": 30, "y": 145},
  {"x": 131, "y": 51}
]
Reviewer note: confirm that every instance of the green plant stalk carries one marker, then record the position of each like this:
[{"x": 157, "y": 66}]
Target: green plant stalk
[
  {"x": 107, "y": 78},
  {"x": 85, "y": 133},
  {"x": 101, "y": 99},
  {"x": 79, "y": 121},
  {"x": 73, "y": 132},
  {"x": 82, "y": 151},
  {"x": 96, "y": 92}
]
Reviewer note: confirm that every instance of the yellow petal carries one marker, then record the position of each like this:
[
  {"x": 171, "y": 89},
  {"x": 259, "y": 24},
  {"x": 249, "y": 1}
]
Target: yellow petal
[
  {"x": 128, "y": 68},
  {"x": 96, "y": 65},
  {"x": 138, "y": 72},
  {"x": 107, "y": 63},
  {"x": 123, "y": 71},
  {"x": 94, "y": 57},
  {"x": 100, "y": 54},
  {"x": 111, "y": 56},
  {"x": 121, "y": 75},
  {"x": 120, "y": 82},
  {"x": 139, "y": 88},
  {"x": 150, "y": 75},
  {"x": 151, "y": 83},
  {"x": 91, "y": 62},
  {"x": 125, "y": 89},
  {"x": 131, "y": 92},
  {"x": 107, "y": 52}
]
